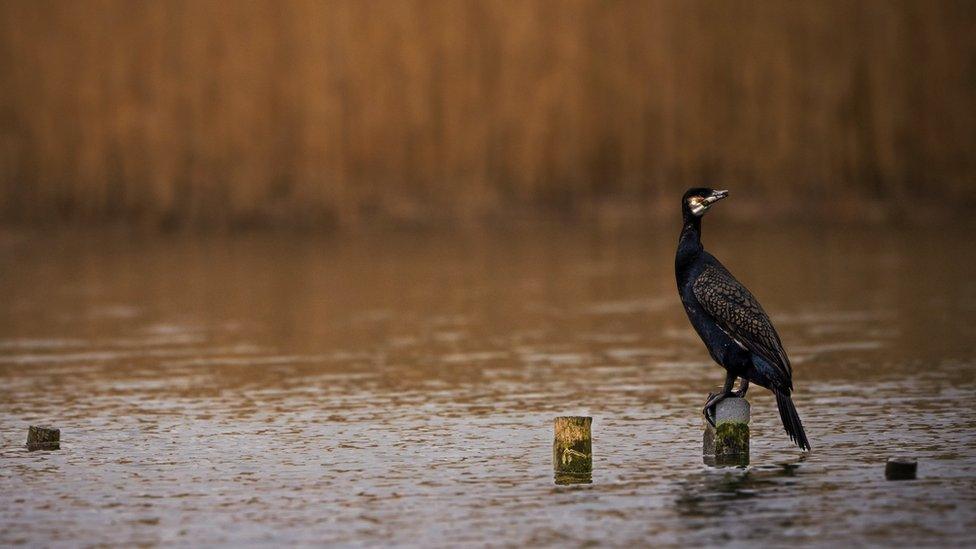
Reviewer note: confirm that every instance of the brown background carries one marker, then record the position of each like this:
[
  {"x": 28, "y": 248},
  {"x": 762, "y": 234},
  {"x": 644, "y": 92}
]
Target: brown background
[{"x": 370, "y": 113}]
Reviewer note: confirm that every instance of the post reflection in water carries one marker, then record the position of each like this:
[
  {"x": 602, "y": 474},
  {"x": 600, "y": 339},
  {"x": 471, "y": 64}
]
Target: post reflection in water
[
  {"x": 732, "y": 460},
  {"x": 400, "y": 390},
  {"x": 563, "y": 479}
]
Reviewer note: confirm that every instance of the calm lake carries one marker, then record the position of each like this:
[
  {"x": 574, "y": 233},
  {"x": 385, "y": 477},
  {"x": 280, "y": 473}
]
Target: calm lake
[{"x": 400, "y": 389}]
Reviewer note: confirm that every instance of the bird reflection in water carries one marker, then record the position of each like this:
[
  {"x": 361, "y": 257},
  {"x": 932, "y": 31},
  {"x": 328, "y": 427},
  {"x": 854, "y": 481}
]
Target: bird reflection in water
[{"x": 715, "y": 493}]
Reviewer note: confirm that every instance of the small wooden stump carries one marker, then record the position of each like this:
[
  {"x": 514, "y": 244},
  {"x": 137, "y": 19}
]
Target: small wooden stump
[
  {"x": 572, "y": 452},
  {"x": 901, "y": 468},
  {"x": 43, "y": 438},
  {"x": 728, "y": 442}
]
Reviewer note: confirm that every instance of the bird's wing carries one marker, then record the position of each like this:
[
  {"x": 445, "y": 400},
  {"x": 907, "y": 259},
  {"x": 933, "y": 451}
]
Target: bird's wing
[{"x": 738, "y": 312}]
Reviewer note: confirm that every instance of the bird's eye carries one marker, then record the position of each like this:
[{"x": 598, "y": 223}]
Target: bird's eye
[{"x": 697, "y": 205}]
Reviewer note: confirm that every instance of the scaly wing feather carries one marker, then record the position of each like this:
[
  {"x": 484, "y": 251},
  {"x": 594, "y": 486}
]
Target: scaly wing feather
[{"x": 738, "y": 312}]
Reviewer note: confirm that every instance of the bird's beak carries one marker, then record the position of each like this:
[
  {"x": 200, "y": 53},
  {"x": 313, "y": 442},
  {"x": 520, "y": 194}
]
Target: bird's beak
[{"x": 715, "y": 197}]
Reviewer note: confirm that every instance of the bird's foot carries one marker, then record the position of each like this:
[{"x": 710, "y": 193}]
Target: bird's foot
[
  {"x": 713, "y": 399},
  {"x": 743, "y": 387},
  {"x": 708, "y": 413}
]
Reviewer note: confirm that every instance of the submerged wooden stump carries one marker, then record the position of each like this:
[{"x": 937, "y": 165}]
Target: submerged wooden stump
[
  {"x": 901, "y": 468},
  {"x": 728, "y": 442},
  {"x": 572, "y": 452},
  {"x": 43, "y": 438}
]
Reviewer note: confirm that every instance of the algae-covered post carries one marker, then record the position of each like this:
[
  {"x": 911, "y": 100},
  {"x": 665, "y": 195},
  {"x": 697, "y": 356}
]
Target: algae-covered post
[
  {"x": 43, "y": 438},
  {"x": 572, "y": 452},
  {"x": 728, "y": 442}
]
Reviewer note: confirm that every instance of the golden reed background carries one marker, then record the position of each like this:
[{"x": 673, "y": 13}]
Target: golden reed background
[{"x": 360, "y": 113}]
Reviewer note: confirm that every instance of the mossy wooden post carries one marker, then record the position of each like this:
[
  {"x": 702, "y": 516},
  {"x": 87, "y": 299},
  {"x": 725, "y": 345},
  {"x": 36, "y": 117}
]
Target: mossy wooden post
[
  {"x": 728, "y": 442},
  {"x": 43, "y": 438},
  {"x": 572, "y": 450}
]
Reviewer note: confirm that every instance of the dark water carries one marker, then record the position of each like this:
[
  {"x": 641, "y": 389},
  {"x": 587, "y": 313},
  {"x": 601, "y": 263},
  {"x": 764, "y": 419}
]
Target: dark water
[{"x": 399, "y": 390}]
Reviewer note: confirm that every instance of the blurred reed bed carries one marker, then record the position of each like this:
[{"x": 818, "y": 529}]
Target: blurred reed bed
[{"x": 423, "y": 112}]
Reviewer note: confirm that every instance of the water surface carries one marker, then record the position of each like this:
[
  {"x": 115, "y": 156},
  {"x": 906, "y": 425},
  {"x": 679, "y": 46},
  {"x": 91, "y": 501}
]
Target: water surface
[{"x": 400, "y": 389}]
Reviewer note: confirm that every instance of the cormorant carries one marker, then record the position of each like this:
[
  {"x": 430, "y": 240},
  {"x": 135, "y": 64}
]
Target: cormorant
[{"x": 730, "y": 321}]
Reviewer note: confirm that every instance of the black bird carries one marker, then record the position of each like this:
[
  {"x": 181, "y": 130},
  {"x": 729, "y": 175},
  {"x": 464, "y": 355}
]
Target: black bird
[{"x": 734, "y": 327}]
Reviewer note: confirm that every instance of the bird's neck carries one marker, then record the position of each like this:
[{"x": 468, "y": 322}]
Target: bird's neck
[{"x": 689, "y": 243}]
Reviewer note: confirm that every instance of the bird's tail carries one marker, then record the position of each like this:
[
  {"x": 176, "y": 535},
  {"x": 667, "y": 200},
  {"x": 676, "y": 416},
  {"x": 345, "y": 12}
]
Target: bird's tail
[{"x": 791, "y": 421}]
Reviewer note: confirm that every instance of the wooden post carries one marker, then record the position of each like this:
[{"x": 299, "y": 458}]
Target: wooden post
[
  {"x": 728, "y": 442},
  {"x": 43, "y": 438},
  {"x": 901, "y": 468},
  {"x": 572, "y": 451}
]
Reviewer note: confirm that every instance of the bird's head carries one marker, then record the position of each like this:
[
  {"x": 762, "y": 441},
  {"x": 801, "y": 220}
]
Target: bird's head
[{"x": 698, "y": 200}]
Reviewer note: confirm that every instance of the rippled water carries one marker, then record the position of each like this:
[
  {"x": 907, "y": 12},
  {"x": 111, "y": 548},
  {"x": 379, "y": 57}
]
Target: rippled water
[{"x": 400, "y": 390}]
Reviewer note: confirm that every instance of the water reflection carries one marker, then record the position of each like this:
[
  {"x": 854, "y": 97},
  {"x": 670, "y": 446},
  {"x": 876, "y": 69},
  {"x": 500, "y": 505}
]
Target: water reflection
[
  {"x": 727, "y": 460},
  {"x": 563, "y": 479},
  {"x": 399, "y": 390},
  {"x": 716, "y": 493}
]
